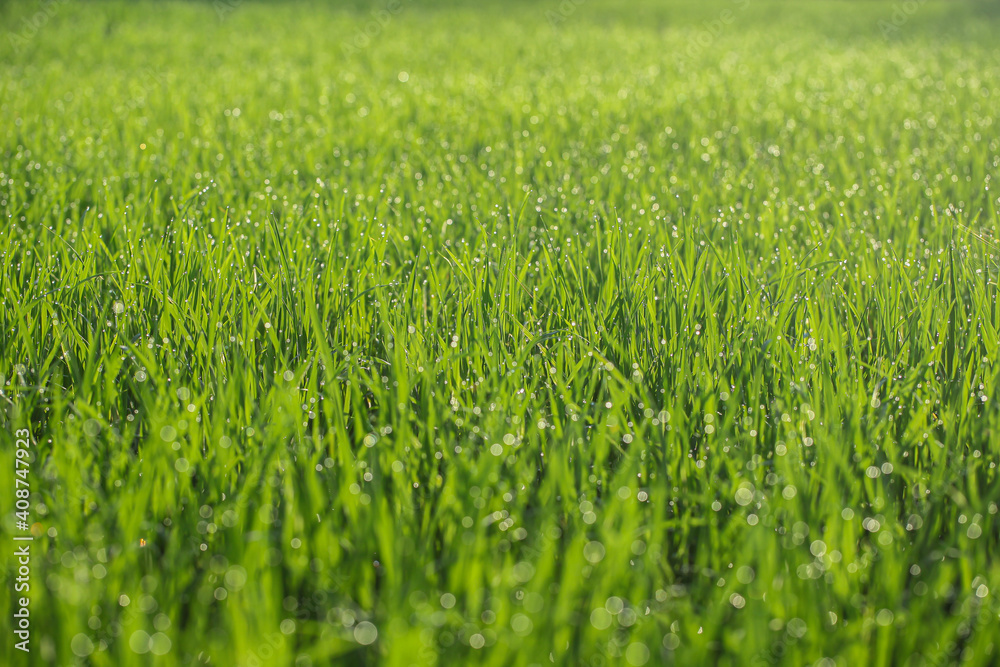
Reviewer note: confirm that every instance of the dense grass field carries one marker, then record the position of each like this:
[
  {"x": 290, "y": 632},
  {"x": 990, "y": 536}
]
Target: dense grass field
[{"x": 513, "y": 333}]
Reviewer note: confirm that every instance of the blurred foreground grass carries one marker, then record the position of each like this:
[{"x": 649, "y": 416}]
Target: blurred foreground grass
[{"x": 510, "y": 334}]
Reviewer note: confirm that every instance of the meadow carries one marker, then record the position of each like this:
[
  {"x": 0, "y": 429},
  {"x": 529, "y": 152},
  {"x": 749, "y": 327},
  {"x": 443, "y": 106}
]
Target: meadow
[{"x": 509, "y": 333}]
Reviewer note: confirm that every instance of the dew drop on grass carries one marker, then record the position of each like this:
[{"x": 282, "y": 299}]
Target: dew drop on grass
[
  {"x": 637, "y": 654},
  {"x": 884, "y": 617},
  {"x": 600, "y": 619},
  {"x": 523, "y": 571},
  {"x": 594, "y": 552},
  {"x": 236, "y": 577},
  {"x": 81, "y": 645},
  {"x": 139, "y": 642},
  {"x": 365, "y": 633},
  {"x": 797, "y": 628},
  {"x": 521, "y": 624}
]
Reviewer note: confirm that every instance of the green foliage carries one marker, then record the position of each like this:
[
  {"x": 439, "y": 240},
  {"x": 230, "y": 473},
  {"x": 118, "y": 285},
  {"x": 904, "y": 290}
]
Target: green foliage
[{"x": 426, "y": 333}]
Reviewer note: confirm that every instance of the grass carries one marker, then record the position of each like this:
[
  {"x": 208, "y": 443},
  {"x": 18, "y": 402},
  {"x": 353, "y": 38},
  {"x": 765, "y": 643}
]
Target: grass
[{"x": 514, "y": 334}]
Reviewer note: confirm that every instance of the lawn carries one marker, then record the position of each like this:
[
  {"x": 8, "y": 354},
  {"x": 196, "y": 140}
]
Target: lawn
[{"x": 507, "y": 333}]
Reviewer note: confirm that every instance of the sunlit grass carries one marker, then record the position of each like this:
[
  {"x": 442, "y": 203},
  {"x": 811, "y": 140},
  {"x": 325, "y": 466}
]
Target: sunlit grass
[{"x": 490, "y": 337}]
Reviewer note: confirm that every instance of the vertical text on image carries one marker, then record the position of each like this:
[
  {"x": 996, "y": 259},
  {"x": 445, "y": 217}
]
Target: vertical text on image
[{"x": 22, "y": 547}]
